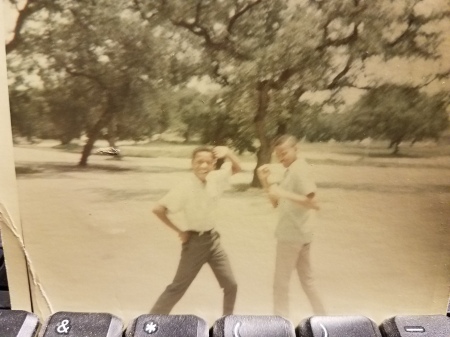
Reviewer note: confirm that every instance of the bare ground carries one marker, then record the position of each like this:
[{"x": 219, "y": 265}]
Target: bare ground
[{"x": 382, "y": 246}]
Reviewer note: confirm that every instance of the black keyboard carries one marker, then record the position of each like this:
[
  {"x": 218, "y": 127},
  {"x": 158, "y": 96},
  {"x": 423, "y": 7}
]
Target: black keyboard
[{"x": 17, "y": 323}]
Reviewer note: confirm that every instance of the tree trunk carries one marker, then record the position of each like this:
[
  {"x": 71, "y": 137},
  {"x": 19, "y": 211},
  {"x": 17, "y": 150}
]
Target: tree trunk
[
  {"x": 65, "y": 140},
  {"x": 395, "y": 143},
  {"x": 94, "y": 133},
  {"x": 265, "y": 150},
  {"x": 263, "y": 157},
  {"x": 396, "y": 147},
  {"x": 187, "y": 135},
  {"x": 281, "y": 129},
  {"x": 112, "y": 134}
]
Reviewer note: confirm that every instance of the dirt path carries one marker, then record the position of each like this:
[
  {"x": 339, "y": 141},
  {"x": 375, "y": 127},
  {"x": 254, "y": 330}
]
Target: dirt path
[{"x": 381, "y": 247}]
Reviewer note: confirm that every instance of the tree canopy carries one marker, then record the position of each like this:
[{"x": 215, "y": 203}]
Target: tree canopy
[
  {"x": 265, "y": 56},
  {"x": 397, "y": 113}
]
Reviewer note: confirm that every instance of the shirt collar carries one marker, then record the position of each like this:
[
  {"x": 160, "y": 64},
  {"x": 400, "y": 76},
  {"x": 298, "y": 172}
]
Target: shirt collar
[{"x": 198, "y": 182}]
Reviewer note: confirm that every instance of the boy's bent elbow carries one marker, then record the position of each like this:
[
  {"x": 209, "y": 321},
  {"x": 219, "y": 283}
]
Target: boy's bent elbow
[
  {"x": 236, "y": 169},
  {"x": 159, "y": 209}
]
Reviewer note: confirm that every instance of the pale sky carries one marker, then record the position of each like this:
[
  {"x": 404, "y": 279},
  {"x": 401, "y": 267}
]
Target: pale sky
[{"x": 10, "y": 17}]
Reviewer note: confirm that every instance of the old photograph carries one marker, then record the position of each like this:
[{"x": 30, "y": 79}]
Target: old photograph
[{"x": 214, "y": 157}]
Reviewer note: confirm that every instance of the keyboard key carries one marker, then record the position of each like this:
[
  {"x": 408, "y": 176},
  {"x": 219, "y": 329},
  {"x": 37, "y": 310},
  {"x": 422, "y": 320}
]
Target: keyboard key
[
  {"x": 18, "y": 323},
  {"x": 5, "y": 301},
  {"x": 167, "y": 326},
  {"x": 252, "y": 326},
  {"x": 76, "y": 324},
  {"x": 338, "y": 326},
  {"x": 416, "y": 326}
]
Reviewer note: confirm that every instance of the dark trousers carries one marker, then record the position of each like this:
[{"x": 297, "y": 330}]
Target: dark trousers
[{"x": 200, "y": 249}]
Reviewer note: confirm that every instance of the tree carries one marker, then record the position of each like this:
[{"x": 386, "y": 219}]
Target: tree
[
  {"x": 148, "y": 113},
  {"x": 311, "y": 123},
  {"x": 181, "y": 109},
  {"x": 114, "y": 59},
  {"x": 397, "y": 113},
  {"x": 193, "y": 110},
  {"x": 265, "y": 54},
  {"x": 227, "y": 123},
  {"x": 25, "y": 10},
  {"x": 271, "y": 47},
  {"x": 29, "y": 116},
  {"x": 84, "y": 41},
  {"x": 70, "y": 107}
]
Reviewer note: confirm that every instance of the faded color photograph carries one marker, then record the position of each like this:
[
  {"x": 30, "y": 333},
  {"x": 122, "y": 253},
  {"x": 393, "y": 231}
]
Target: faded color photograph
[{"x": 211, "y": 157}]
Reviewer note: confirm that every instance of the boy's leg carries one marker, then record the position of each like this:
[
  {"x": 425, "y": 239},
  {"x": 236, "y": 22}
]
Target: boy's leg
[
  {"x": 286, "y": 257},
  {"x": 193, "y": 256},
  {"x": 305, "y": 275},
  {"x": 221, "y": 268}
]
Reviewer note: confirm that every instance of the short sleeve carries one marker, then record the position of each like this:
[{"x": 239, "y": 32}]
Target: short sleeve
[
  {"x": 174, "y": 200},
  {"x": 219, "y": 179},
  {"x": 304, "y": 181}
]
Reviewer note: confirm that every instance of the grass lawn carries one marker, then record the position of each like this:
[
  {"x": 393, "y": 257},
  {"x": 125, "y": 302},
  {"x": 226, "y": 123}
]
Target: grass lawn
[{"x": 376, "y": 149}]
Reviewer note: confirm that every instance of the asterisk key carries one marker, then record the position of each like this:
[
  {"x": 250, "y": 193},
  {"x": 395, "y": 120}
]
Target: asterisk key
[{"x": 151, "y": 327}]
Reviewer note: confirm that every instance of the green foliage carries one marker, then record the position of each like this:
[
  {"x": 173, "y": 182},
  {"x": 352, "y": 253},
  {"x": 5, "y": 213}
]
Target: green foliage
[
  {"x": 139, "y": 118},
  {"x": 309, "y": 122},
  {"x": 192, "y": 110},
  {"x": 108, "y": 47},
  {"x": 71, "y": 107},
  {"x": 397, "y": 113},
  {"x": 28, "y": 115},
  {"x": 139, "y": 55}
]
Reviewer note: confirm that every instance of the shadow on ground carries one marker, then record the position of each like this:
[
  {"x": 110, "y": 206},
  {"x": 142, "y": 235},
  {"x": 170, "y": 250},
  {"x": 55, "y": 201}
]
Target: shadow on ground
[
  {"x": 244, "y": 190},
  {"x": 54, "y": 169},
  {"x": 112, "y": 195},
  {"x": 49, "y": 170},
  {"x": 387, "y": 188},
  {"x": 367, "y": 162}
]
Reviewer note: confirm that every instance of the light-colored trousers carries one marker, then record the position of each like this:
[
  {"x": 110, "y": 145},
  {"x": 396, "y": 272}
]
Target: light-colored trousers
[{"x": 292, "y": 256}]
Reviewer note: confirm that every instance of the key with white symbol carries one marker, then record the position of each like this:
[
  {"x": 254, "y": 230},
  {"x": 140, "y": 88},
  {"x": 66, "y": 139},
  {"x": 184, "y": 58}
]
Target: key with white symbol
[
  {"x": 416, "y": 326},
  {"x": 252, "y": 326},
  {"x": 167, "y": 326},
  {"x": 18, "y": 323},
  {"x": 150, "y": 327},
  {"x": 75, "y": 324},
  {"x": 338, "y": 326}
]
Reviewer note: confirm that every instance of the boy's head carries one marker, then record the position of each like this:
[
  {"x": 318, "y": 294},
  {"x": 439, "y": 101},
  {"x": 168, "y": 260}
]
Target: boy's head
[
  {"x": 286, "y": 149},
  {"x": 203, "y": 162}
]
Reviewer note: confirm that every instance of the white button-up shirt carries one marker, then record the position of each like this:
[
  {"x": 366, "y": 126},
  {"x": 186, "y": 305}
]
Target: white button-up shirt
[
  {"x": 296, "y": 223},
  {"x": 198, "y": 201}
]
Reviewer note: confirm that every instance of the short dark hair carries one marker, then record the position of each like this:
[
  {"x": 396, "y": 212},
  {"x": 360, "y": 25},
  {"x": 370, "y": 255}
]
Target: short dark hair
[
  {"x": 283, "y": 139},
  {"x": 202, "y": 149}
]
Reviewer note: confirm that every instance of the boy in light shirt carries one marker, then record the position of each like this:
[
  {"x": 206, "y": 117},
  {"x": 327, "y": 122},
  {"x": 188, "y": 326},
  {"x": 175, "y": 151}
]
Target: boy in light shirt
[{"x": 198, "y": 198}]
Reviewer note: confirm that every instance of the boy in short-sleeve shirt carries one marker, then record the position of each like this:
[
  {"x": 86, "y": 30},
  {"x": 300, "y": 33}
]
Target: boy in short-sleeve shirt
[
  {"x": 198, "y": 198},
  {"x": 295, "y": 199}
]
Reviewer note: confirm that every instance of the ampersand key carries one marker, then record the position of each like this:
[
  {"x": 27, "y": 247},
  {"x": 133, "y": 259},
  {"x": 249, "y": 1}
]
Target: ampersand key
[{"x": 74, "y": 324}]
